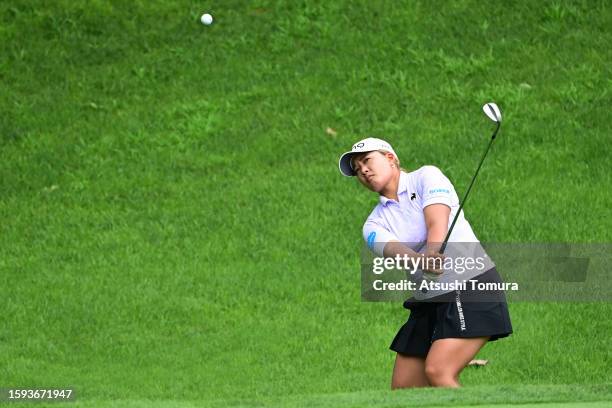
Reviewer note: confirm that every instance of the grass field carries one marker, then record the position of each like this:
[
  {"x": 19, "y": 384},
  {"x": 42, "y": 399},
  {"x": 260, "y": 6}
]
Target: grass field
[{"x": 175, "y": 231}]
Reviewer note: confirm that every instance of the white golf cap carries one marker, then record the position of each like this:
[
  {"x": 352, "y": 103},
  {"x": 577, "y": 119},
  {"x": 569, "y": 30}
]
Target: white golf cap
[{"x": 366, "y": 145}]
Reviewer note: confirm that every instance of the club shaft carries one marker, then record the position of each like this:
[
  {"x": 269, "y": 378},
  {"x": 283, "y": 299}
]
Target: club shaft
[{"x": 450, "y": 230}]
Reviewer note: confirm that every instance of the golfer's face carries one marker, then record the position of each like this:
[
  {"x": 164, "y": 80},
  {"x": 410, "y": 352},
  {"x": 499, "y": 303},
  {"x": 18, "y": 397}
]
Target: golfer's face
[{"x": 373, "y": 170}]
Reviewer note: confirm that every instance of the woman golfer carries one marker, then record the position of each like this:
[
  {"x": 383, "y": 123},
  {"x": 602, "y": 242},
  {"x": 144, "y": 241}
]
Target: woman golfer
[{"x": 446, "y": 327}]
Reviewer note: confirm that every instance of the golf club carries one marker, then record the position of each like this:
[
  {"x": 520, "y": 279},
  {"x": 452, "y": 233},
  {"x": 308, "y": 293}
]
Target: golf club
[{"x": 492, "y": 111}]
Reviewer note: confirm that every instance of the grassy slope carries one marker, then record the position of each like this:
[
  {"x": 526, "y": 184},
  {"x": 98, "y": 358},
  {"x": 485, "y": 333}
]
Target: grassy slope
[{"x": 173, "y": 220}]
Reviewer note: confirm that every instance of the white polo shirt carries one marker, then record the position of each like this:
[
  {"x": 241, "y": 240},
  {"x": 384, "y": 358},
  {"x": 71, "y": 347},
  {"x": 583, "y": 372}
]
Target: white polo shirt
[{"x": 404, "y": 220}]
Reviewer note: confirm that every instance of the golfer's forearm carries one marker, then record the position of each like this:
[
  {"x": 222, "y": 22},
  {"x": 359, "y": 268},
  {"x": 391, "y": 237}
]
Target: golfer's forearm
[
  {"x": 394, "y": 248},
  {"x": 436, "y": 219},
  {"x": 435, "y": 236}
]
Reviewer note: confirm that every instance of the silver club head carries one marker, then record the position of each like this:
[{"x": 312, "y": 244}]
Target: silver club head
[{"x": 492, "y": 111}]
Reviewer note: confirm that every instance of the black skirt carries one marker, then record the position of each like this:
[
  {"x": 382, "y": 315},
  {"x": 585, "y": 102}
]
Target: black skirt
[{"x": 458, "y": 314}]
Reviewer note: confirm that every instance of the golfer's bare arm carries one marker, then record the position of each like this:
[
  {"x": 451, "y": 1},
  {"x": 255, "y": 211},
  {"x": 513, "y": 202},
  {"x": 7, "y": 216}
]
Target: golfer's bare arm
[
  {"x": 393, "y": 248},
  {"x": 436, "y": 219}
]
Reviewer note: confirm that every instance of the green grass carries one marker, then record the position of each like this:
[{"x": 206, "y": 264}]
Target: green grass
[
  {"x": 527, "y": 396},
  {"x": 174, "y": 226}
]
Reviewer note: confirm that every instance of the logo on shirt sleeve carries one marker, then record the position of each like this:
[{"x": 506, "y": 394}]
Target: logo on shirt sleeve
[
  {"x": 371, "y": 239},
  {"x": 439, "y": 190}
]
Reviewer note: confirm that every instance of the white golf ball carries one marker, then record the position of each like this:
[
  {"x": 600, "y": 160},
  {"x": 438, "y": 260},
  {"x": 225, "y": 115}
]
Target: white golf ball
[{"x": 206, "y": 19}]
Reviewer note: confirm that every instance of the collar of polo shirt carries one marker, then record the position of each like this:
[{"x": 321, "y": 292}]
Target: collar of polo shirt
[{"x": 402, "y": 187}]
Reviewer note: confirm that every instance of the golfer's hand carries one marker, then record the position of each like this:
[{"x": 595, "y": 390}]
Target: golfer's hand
[{"x": 433, "y": 263}]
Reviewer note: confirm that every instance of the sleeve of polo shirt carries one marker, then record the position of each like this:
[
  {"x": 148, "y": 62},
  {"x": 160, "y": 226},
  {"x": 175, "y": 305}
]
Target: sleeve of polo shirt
[
  {"x": 376, "y": 236},
  {"x": 436, "y": 188}
]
